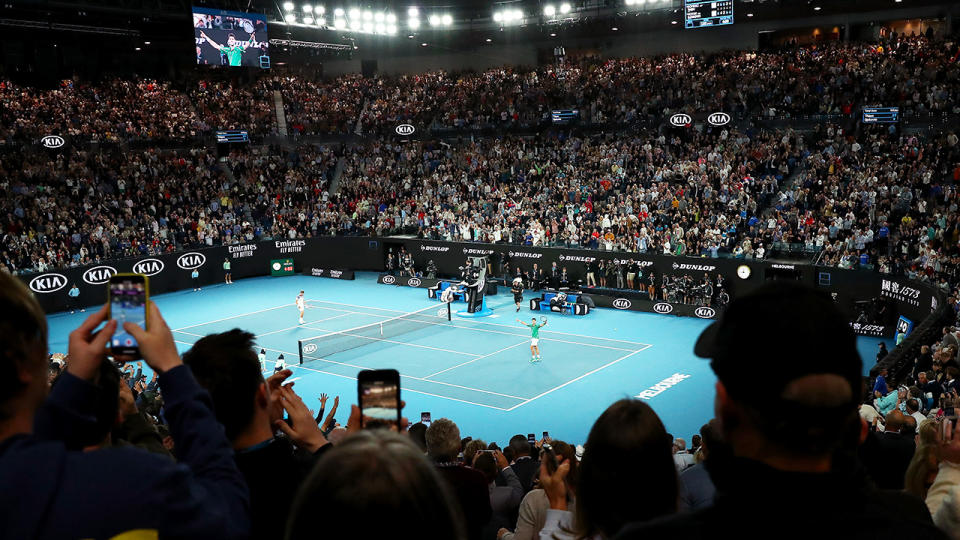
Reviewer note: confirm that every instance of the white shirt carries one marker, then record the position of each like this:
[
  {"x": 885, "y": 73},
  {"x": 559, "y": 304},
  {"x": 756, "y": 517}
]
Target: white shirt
[
  {"x": 868, "y": 413},
  {"x": 919, "y": 417},
  {"x": 300, "y": 302}
]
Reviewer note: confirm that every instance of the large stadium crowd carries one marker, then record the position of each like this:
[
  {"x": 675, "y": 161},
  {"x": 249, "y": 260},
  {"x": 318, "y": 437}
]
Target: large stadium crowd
[{"x": 223, "y": 452}]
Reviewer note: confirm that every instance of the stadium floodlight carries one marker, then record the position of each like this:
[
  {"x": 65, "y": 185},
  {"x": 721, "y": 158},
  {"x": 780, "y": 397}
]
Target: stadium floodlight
[
  {"x": 434, "y": 20},
  {"x": 338, "y": 12},
  {"x": 413, "y": 24},
  {"x": 379, "y": 17},
  {"x": 356, "y": 25},
  {"x": 413, "y": 12},
  {"x": 381, "y": 28},
  {"x": 392, "y": 29},
  {"x": 368, "y": 27},
  {"x": 368, "y": 15},
  {"x": 517, "y": 15},
  {"x": 354, "y": 13},
  {"x": 340, "y": 24},
  {"x": 628, "y": 2},
  {"x": 320, "y": 10},
  {"x": 497, "y": 16},
  {"x": 321, "y": 21},
  {"x": 288, "y": 6},
  {"x": 290, "y": 18},
  {"x": 565, "y": 8},
  {"x": 391, "y": 18},
  {"x": 308, "y": 20},
  {"x": 549, "y": 10},
  {"x": 447, "y": 19},
  {"x": 307, "y": 8}
]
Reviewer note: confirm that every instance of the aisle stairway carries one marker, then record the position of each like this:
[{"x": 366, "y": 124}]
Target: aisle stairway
[{"x": 281, "y": 115}]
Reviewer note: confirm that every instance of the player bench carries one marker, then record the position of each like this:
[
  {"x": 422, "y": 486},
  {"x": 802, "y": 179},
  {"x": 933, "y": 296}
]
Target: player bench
[
  {"x": 436, "y": 291},
  {"x": 572, "y": 306}
]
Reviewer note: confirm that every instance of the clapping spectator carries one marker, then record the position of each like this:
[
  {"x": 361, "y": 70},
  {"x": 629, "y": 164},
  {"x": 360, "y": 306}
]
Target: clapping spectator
[
  {"x": 627, "y": 446},
  {"x": 251, "y": 410}
]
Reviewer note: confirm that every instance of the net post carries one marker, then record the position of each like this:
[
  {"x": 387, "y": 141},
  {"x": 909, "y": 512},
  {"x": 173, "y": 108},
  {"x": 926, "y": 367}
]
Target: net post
[
  {"x": 300, "y": 350},
  {"x": 449, "y": 318}
]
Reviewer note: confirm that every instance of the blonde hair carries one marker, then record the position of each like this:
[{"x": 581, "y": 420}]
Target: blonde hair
[{"x": 916, "y": 481}]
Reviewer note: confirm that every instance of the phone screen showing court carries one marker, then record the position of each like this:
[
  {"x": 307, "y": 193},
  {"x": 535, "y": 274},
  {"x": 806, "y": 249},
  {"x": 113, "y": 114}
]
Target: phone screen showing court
[
  {"x": 128, "y": 300},
  {"x": 379, "y": 402}
]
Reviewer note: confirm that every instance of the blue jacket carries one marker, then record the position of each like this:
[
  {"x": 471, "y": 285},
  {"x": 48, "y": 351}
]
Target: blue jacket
[{"x": 51, "y": 490}]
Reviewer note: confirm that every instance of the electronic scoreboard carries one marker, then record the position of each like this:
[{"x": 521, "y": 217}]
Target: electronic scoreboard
[
  {"x": 881, "y": 115},
  {"x": 703, "y": 13},
  {"x": 232, "y": 136}
]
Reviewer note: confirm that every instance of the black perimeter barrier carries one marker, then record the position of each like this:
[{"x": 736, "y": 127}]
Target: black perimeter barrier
[{"x": 923, "y": 304}]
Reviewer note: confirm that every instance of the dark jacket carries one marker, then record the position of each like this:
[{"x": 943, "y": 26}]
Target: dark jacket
[
  {"x": 528, "y": 470},
  {"x": 51, "y": 491},
  {"x": 886, "y": 457},
  {"x": 759, "y": 502},
  {"x": 273, "y": 471},
  {"x": 470, "y": 488}
]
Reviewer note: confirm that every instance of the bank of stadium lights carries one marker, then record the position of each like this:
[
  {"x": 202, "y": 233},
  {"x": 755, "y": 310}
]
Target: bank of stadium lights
[
  {"x": 508, "y": 16},
  {"x": 440, "y": 20},
  {"x": 290, "y": 18},
  {"x": 288, "y": 6},
  {"x": 550, "y": 11}
]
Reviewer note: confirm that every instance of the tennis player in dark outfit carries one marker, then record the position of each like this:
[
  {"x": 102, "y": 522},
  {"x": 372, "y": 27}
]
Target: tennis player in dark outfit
[{"x": 517, "y": 289}]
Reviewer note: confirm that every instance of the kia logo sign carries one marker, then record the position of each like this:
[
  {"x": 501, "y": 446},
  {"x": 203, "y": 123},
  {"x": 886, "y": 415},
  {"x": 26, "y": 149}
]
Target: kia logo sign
[
  {"x": 719, "y": 119},
  {"x": 622, "y": 303},
  {"x": 310, "y": 348},
  {"x": 663, "y": 307},
  {"x": 48, "y": 283},
  {"x": 705, "y": 312},
  {"x": 189, "y": 261},
  {"x": 680, "y": 120},
  {"x": 413, "y": 282},
  {"x": 149, "y": 267},
  {"x": 98, "y": 275},
  {"x": 389, "y": 280},
  {"x": 405, "y": 130},
  {"x": 52, "y": 141}
]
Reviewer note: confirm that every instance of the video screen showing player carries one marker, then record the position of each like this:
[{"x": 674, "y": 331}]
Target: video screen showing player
[{"x": 230, "y": 38}]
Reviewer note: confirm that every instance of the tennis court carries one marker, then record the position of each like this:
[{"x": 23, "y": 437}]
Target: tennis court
[
  {"x": 435, "y": 356},
  {"x": 474, "y": 371}
]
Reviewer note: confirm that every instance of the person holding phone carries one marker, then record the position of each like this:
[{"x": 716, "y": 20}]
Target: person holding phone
[
  {"x": 54, "y": 490},
  {"x": 534, "y": 337}
]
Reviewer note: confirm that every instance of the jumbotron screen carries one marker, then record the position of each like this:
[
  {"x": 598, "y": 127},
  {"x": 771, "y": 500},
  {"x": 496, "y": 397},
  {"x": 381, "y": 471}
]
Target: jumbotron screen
[{"x": 230, "y": 38}]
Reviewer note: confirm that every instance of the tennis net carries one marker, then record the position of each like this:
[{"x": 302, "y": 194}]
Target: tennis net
[{"x": 325, "y": 345}]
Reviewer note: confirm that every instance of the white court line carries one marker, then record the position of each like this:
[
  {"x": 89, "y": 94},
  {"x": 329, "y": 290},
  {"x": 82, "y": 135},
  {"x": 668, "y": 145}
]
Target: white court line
[
  {"x": 578, "y": 378},
  {"x": 344, "y": 333},
  {"x": 522, "y": 335},
  {"x": 297, "y": 366},
  {"x": 187, "y": 333},
  {"x": 475, "y": 359},
  {"x": 305, "y": 325},
  {"x": 497, "y": 324},
  {"x": 232, "y": 317}
]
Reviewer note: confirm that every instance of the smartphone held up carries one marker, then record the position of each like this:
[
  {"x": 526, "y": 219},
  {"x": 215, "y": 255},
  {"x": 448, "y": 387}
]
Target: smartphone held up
[
  {"x": 378, "y": 393},
  {"x": 127, "y": 297}
]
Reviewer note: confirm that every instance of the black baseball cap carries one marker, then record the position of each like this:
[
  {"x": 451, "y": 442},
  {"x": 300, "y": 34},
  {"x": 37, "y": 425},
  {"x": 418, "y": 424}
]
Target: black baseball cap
[{"x": 776, "y": 334}]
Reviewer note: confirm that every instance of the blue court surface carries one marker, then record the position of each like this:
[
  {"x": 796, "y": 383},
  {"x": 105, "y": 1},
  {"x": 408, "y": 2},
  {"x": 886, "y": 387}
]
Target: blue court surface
[{"x": 476, "y": 372}]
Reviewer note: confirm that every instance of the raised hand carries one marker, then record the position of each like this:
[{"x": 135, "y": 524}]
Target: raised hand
[
  {"x": 302, "y": 428},
  {"x": 87, "y": 348},
  {"x": 323, "y": 401},
  {"x": 555, "y": 485},
  {"x": 156, "y": 344}
]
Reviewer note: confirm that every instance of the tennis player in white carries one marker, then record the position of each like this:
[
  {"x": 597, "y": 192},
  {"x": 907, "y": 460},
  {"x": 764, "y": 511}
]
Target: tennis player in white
[{"x": 300, "y": 305}]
